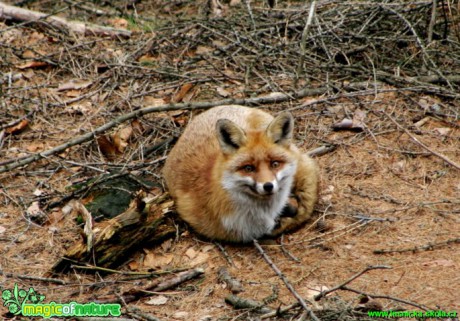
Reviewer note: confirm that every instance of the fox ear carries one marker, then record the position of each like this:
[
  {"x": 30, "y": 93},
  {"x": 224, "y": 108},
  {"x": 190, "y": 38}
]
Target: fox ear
[
  {"x": 230, "y": 136},
  {"x": 281, "y": 128}
]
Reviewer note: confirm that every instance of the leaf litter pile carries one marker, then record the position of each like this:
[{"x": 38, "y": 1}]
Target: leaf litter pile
[{"x": 374, "y": 90}]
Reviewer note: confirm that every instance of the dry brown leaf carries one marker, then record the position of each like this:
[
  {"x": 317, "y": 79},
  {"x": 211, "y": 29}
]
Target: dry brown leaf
[
  {"x": 16, "y": 129},
  {"x": 153, "y": 101},
  {"x": 35, "y": 37},
  {"x": 200, "y": 259},
  {"x": 99, "y": 98},
  {"x": 157, "y": 261},
  {"x": 222, "y": 92},
  {"x": 189, "y": 95},
  {"x": 308, "y": 101},
  {"x": 81, "y": 108},
  {"x": 35, "y": 147},
  {"x": 73, "y": 93},
  {"x": 138, "y": 128},
  {"x": 429, "y": 103},
  {"x": 179, "y": 117},
  {"x": 148, "y": 58},
  {"x": 74, "y": 84},
  {"x": 133, "y": 266},
  {"x": 315, "y": 290},
  {"x": 107, "y": 147},
  {"x": 179, "y": 96},
  {"x": 207, "y": 248},
  {"x": 355, "y": 124},
  {"x": 34, "y": 210},
  {"x": 203, "y": 50},
  {"x": 158, "y": 300},
  {"x": 120, "y": 138},
  {"x": 191, "y": 253},
  {"x": 32, "y": 64},
  {"x": 55, "y": 218},
  {"x": 28, "y": 74},
  {"x": 183, "y": 315},
  {"x": 398, "y": 167},
  {"x": 119, "y": 23},
  {"x": 327, "y": 193},
  {"x": 166, "y": 245},
  {"x": 443, "y": 131},
  {"x": 422, "y": 122},
  {"x": 2, "y": 229},
  {"x": 358, "y": 118},
  {"x": 11, "y": 35},
  {"x": 219, "y": 43},
  {"x": 28, "y": 54}
]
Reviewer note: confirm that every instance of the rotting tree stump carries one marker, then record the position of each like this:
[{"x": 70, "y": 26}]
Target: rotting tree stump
[{"x": 110, "y": 243}]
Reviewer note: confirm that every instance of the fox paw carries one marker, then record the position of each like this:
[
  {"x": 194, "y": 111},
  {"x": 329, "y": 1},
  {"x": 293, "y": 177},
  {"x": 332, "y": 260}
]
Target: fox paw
[{"x": 290, "y": 222}]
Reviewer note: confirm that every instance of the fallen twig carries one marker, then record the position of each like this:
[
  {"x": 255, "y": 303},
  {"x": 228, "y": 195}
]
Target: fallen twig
[
  {"x": 234, "y": 285},
  {"x": 443, "y": 157},
  {"x": 427, "y": 247},
  {"x": 377, "y": 296},
  {"x": 319, "y": 151},
  {"x": 137, "y": 312},
  {"x": 158, "y": 285},
  {"x": 354, "y": 277},
  {"x": 12, "y": 12},
  {"x": 301, "y": 301},
  {"x": 34, "y": 278},
  {"x": 225, "y": 254},
  {"x": 303, "y": 42},
  {"x": 279, "y": 311},
  {"x": 241, "y": 303}
]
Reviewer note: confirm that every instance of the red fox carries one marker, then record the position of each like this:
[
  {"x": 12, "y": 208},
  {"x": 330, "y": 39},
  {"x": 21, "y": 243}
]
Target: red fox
[{"x": 232, "y": 171}]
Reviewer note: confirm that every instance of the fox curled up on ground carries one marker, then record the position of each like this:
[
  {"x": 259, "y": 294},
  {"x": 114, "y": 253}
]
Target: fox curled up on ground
[{"x": 232, "y": 171}]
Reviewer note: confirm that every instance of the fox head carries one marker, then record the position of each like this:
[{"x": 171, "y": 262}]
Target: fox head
[{"x": 259, "y": 164}]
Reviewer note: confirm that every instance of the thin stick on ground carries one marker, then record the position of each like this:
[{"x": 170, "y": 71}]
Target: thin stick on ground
[
  {"x": 354, "y": 277},
  {"x": 303, "y": 42},
  {"x": 280, "y": 274},
  {"x": 443, "y": 157},
  {"x": 377, "y": 296},
  {"x": 34, "y": 278},
  {"x": 427, "y": 247}
]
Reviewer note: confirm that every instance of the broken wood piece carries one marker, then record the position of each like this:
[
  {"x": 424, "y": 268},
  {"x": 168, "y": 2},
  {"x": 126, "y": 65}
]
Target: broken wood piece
[
  {"x": 233, "y": 284},
  {"x": 156, "y": 285},
  {"x": 241, "y": 303},
  {"x": 114, "y": 240},
  {"x": 87, "y": 29}
]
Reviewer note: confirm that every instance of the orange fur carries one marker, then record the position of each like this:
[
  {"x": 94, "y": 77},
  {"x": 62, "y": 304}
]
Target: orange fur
[{"x": 211, "y": 158}]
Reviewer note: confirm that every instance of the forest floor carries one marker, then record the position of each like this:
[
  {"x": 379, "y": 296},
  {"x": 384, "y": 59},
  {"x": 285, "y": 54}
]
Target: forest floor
[{"x": 381, "y": 97}]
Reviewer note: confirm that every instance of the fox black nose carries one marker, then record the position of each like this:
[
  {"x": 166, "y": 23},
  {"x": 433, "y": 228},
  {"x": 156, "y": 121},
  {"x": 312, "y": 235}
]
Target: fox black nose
[{"x": 268, "y": 187}]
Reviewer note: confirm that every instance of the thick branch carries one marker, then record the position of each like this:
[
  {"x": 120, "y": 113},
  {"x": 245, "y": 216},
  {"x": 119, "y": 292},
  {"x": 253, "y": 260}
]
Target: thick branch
[{"x": 11, "y": 12}]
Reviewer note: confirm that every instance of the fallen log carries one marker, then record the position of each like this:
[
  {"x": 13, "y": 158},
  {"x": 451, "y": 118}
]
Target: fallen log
[{"x": 110, "y": 243}]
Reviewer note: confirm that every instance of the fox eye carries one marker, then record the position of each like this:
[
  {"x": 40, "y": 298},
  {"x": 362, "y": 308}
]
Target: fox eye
[
  {"x": 275, "y": 164},
  {"x": 249, "y": 168}
]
